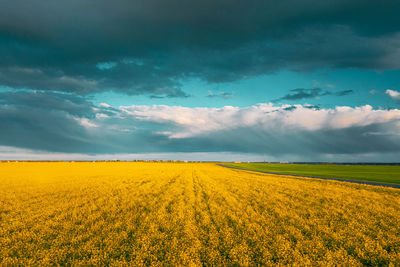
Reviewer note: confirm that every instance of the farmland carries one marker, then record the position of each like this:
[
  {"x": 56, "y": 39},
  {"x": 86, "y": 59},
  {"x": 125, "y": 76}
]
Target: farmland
[
  {"x": 124, "y": 213},
  {"x": 373, "y": 173}
]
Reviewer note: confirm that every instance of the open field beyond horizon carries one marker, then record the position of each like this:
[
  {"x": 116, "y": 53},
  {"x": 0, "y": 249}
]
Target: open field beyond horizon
[
  {"x": 373, "y": 173},
  {"x": 124, "y": 213}
]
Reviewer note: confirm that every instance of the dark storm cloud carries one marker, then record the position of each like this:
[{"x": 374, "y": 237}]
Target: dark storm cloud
[
  {"x": 48, "y": 101},
  {"x": 301, "y": 93},
  {"x": 155, "y": 45},
  {"x": 43, "y": 121},
  {"x": 58, "y": 122},
  {"x": 290, "y": 108},
  {"x": 344, "y": 92},
  {"x": 316, "y": 107},
  {"x": 169, "y": 94}
]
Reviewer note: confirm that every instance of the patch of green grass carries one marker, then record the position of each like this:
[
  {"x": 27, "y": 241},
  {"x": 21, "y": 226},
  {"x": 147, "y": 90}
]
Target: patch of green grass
[{"x": 374, "y": 173}]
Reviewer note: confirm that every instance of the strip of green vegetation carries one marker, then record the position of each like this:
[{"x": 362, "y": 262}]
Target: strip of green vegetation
[{"x": 374, "y": 173}]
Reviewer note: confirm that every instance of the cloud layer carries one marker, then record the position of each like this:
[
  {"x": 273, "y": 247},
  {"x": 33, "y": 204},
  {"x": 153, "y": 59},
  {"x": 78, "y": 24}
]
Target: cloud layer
[
  {"x": 151, "y": 47},
  {"x": 56, "y": 56},
  {"x": 71, "y": 124}
]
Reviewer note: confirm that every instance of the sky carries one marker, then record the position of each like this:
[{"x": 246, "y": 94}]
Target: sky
[{"x": 255, "y": 80}]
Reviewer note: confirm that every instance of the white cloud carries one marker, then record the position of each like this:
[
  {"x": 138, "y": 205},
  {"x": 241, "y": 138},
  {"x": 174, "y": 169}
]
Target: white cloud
[
  {"x": 191, "y": 122},
  {"x": 86, "y": 123},
  {"x": 393, "y": 94},
  {"x": 105, "y": 105}
]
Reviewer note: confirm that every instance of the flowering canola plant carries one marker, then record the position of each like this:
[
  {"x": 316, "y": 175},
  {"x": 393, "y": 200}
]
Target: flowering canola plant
[{"x": 126, "y": 213}]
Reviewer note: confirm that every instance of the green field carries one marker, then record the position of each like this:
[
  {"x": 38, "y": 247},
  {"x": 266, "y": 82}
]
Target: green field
[{"x": 374, "y": 173}]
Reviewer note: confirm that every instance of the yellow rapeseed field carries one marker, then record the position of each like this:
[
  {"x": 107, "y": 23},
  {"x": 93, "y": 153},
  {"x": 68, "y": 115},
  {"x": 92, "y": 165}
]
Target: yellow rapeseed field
[{"x": 125, "y": 213}]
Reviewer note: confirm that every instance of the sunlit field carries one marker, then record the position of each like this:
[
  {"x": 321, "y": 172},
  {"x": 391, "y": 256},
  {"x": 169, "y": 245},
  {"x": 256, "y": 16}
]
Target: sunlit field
[{"x": 125, "y": 213}]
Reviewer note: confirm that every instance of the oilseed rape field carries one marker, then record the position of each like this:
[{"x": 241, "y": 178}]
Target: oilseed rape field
[{"x": 190, "y": 214}]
